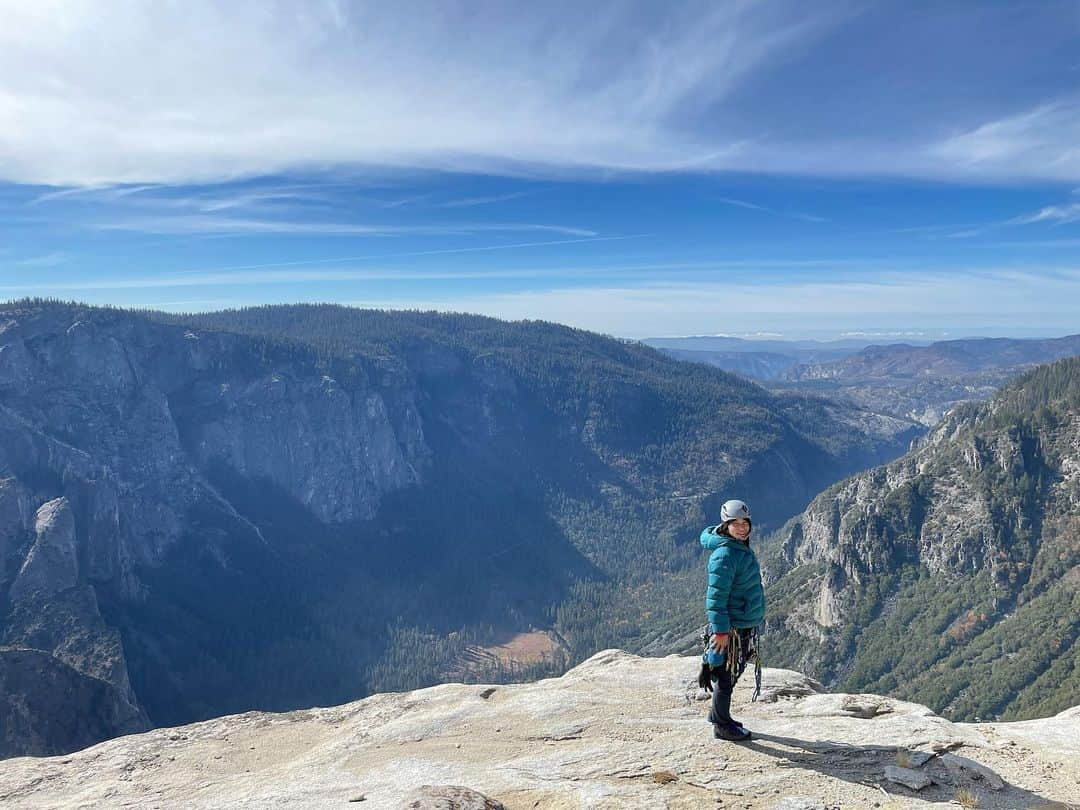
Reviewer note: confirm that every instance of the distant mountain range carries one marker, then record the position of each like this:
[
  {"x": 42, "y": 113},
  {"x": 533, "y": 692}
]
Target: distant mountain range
[
  {"x": 294, "y": 506},
  {"x": 850, "y": 358},
  {"x": 943, "y": 359},
  {"x": 950, "y": 576},
  {"x": 760, "y": 359},
  {"x": 919, "y": 382},
  {"x": 758, "y": 365}
]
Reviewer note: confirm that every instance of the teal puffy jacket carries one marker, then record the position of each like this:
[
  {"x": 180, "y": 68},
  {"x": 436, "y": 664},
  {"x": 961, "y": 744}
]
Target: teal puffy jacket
[{"x": 735, "y": 597}]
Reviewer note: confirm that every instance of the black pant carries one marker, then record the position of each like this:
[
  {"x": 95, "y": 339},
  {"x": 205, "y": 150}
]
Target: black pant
[{"x": 723, "y": 684}]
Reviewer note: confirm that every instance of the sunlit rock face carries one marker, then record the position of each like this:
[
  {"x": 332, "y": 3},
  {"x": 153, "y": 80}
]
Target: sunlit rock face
[{"x": 617, "y": 731}]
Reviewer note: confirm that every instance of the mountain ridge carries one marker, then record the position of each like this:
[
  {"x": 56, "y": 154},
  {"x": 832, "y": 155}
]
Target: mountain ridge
[
  {"x": 951, "y": 575},
  {"x": 915, "y": 381},
  {"x": 944, "y": 357}
]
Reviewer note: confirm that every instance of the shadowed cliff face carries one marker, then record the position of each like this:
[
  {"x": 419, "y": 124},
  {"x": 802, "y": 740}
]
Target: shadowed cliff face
[
  {"x": 205, "y": 521},
  {"x": 952, "y": 575},
  {"x": 111, "y": 427},
  {"x": 82, "y": 709}
]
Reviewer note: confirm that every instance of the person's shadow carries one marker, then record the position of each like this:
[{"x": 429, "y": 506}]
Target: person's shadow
[{"x": 865, "y": 765}]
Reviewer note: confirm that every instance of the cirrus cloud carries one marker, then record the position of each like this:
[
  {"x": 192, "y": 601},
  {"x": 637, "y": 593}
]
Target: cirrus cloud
[
  {"x": 178, "y": 93},
  {"x": 96, "y": 94}
]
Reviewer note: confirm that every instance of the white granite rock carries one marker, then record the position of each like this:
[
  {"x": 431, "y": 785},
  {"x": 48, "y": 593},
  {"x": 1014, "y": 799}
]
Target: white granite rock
[{"x": 618, "y": 731}]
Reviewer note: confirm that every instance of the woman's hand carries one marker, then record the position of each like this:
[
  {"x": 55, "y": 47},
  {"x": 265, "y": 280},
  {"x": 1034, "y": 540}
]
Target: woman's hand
[{"x": 718, "y": 642}]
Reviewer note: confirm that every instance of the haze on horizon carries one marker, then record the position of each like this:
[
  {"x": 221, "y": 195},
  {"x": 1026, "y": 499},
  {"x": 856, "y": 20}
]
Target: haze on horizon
[{"x": 783, "y": 168}]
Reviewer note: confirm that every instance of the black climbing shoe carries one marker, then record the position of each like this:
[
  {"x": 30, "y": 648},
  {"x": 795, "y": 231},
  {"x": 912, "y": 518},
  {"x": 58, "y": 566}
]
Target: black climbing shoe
[
  {"x": 715, "y": 722},
  {"x": 730, "y": 731}
]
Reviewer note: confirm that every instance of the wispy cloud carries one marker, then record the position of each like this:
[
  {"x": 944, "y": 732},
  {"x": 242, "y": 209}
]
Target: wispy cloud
[
  {"x": 661, "y": 267},
  {"x": 415, "y": 253},
  {"x": 277, "y": 197},
  {"x": 468, "y": 202},
  {"x": 215, "y": 203},
  {"x": 1051, "y": 213},
  {"x": 303, "y": 273},
  {"x": 249, "y": 278},
  {"x": 52, "y": 259},
  {"x": 765, "y": 209},
  {"x": 204, "y": 224},
  {"x": 527, "y": 89},
  {"x": 292, "y": 85},
  {"x": 267, "y": 276},
  {"x": 877, "y": 292},
  {"x": 894, "y": 299},
  {"x": 269, "y": 208},
  {"x": 741, "y": 204},
  {"x": 805, "y": 217},
  {"x": 91, "y": 192},
  {"x": 412, "y": 199},
  {"x": 1041, "y": 142}
]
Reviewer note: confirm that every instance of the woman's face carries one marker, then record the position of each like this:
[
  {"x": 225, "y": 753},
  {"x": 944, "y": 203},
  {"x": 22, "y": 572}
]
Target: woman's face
[{"x": 739, "y": 528}]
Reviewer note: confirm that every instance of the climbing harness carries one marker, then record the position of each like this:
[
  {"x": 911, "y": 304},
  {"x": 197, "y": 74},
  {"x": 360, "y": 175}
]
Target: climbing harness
[{"x": 742, "y": 647}]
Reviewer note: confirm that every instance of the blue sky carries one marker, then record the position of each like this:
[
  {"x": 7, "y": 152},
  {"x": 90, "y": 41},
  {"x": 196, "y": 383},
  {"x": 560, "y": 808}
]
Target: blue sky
[{"x": 639, "y": 169}]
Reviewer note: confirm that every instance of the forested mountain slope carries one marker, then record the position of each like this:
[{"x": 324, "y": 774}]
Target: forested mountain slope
[
  {"x": 952, "y": 575},
  {"x": 290, "y": 506}
]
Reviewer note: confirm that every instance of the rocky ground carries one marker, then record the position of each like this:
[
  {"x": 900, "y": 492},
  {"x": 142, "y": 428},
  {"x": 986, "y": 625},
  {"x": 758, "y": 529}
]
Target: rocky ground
[{"x": 617, "y": 731}]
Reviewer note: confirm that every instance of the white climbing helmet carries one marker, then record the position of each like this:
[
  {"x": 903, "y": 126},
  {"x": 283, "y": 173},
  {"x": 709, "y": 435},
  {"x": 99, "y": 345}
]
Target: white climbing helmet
[{"x": 733, "y": 510}]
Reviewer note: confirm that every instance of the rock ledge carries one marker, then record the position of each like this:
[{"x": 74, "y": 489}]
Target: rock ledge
[{"x": 617, "y": 731}]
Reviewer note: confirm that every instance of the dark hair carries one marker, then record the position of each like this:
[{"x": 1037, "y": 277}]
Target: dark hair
[{"x": 724, "y": 527}]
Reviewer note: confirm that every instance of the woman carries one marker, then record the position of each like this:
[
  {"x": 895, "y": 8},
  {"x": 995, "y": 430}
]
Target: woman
[{"x": 735, "y": 605}]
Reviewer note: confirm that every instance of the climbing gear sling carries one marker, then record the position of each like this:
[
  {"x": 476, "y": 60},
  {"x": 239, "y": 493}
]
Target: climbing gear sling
[{"x": 743, "y": 646}]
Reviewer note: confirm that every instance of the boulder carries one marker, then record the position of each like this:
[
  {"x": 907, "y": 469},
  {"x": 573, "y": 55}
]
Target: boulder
[
  {"x": 916, "y": 780},
  {"x": 966, "y": 768}
]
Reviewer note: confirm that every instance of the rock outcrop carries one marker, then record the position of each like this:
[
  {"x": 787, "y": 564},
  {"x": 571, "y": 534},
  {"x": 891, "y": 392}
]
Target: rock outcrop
[
  {"x": 617, "y": 731},
  {"x": 52, "y": 564},
  {"x": 43, "y": 699}
]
